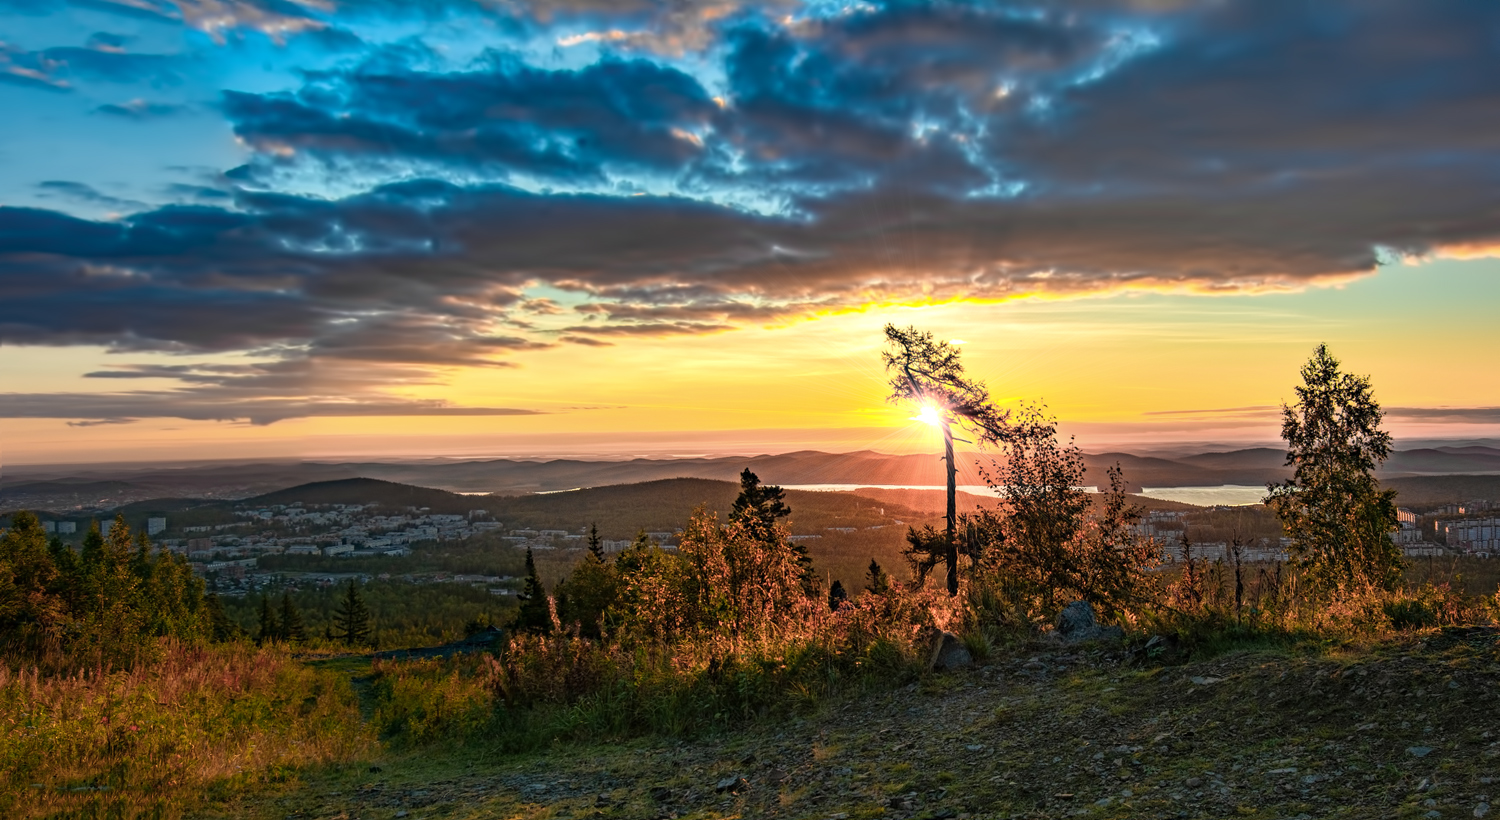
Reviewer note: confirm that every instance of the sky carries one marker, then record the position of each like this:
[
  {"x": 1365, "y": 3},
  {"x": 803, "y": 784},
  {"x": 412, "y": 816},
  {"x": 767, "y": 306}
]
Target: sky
[{"x": 466, "y": 228}]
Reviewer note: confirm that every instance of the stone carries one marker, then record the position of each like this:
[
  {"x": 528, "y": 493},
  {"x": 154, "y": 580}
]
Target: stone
[
  {"x": 1419, "y": 751},
  {"x": 734, "y": 784},
  {"x": 1077, "y": 624},
  {"x": 948, "y": 652},
  {"x": 1481, "y": 810}
]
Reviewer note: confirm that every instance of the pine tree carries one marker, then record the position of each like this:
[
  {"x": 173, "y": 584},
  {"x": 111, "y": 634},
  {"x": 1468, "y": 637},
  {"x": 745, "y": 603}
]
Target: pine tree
[
  {"x": 269, "y": 630},
  {"x": 596, "y": 544},
  {"x": 758, "y": 505},
  {"x": 220, "y": 628},
  {"x": 292, "y": 628},
  {"x": 879, "y": 581},
  {"x": 837, "y": 597},
  {"x": 757, "y": 509},
  {"x": 930, "y": 374},
  {"x": 29, "y": 610},
  {"x": 1339, "y": 519},
  {"x": 351, "y": 621},
  {"x": 535, "y": 614}
]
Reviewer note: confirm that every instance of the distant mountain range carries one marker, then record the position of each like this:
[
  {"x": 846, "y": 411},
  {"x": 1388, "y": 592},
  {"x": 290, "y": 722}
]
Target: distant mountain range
[{"x": 104, "y": 488}]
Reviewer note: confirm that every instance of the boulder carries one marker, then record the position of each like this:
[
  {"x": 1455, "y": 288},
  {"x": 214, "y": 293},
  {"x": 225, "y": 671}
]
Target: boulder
[
  {"x": 948, "y": 652},
  {"x": 1076, "y": 624}
]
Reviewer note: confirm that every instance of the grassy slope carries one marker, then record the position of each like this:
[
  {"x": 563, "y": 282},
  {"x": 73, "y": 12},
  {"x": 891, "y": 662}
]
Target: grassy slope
[{"x": 1041, "y": 732}]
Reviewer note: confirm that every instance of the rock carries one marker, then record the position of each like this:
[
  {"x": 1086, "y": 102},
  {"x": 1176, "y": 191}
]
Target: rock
[
  {"x": 1419, "y": 751},
  {"x": 1076, "y": 624},
  {"x": 734, "y": 784},
  {"x": 776, "y": 777},
  {"x": 747, "y": 759},
  {"x": 948, "y": 652},
  {"x": 1481, "y": 810}
]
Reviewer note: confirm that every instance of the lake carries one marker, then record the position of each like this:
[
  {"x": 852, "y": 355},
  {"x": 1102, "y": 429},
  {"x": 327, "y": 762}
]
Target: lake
[{"x": 1229, "y": 495}]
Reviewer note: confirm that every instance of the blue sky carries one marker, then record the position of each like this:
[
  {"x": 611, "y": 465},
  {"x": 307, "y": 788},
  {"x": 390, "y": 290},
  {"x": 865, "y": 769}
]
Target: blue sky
[{"x": 250, "y": 212}]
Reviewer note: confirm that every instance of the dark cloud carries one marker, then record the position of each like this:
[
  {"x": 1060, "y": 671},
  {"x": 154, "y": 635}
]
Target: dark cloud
[
  {"x": 90, "y": 409},
  {"x": 80, "y": 192},
  {"x": 141, "y": 110},
  {"x": 910, "y": 152},
  {"x": 59, "y": 69},
  {"x": 1472, "y": 415},
  {"x": 652, "y": 329},
  {"x": 105, "y": 41},
  {"x": 502, "y": 116}
]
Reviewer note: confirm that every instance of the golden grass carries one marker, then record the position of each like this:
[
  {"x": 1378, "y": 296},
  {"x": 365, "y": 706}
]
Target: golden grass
[{"x": 155, "y": 740}]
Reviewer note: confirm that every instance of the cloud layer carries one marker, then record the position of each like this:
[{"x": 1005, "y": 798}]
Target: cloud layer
[{"x": 717, "y": 165}]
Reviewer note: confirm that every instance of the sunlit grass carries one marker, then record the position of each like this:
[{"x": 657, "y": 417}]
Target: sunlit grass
[{"x": 157, "y": 739}]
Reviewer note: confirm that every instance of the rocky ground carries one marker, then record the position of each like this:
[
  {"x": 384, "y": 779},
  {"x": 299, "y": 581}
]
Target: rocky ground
[{"x": 1405, "y": 728}]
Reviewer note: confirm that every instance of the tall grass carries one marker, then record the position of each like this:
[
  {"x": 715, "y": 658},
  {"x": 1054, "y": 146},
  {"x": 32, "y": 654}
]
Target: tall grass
[
  {"x": 541, "y": 689},
  {"x": 159, "y": 738}
]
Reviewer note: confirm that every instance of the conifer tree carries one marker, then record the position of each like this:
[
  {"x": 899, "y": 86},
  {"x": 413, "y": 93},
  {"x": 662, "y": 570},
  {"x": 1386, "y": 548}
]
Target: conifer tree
[
  {"x": 351, "y": 621},
  {"x": 292, "y": 628},
  {"x": 596, "y": 544},
  {"x": 220, "y": 628},
  {"x": 837, "y": 597},
  {"x": 110, "y": 612},
  {"x": 269, "y": 630},
  {"x": 29, "y": 609},
  {"x": 535, "y": 614},
  {"x": 879, "y": 581},
  {"x": 930, "y": 373},
  {"x": 758, "y": 505},
  {"x": 758, "y": 508},
  {"x": 1339, "y": 519}
]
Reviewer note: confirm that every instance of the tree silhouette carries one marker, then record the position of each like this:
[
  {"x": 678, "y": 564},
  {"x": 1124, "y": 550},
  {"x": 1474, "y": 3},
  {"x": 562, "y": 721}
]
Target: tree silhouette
[
  {"x": 1333, "y": 508},
  {"x": 837, "y": 597},
  {"x": 292, "y": 628},
  {"x": 879, "y": 581},
  {"x": 268, "y": 629},
  {"x": 928, "y": 373},
  {"x": 351, "y": 621},
  {"x": 535, "y": 615},
  {"x": 596, "y": 544}
]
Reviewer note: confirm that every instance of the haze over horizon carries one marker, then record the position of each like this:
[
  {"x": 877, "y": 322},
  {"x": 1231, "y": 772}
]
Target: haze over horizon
[{"x": 248, "y": 229}]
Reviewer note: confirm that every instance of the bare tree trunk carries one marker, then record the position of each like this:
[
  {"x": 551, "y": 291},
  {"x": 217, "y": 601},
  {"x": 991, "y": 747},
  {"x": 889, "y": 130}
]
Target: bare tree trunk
[{"x": 952, "y": 557}]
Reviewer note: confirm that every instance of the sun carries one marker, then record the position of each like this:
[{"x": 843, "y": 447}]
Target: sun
[{"x": 929, "y": 415}]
